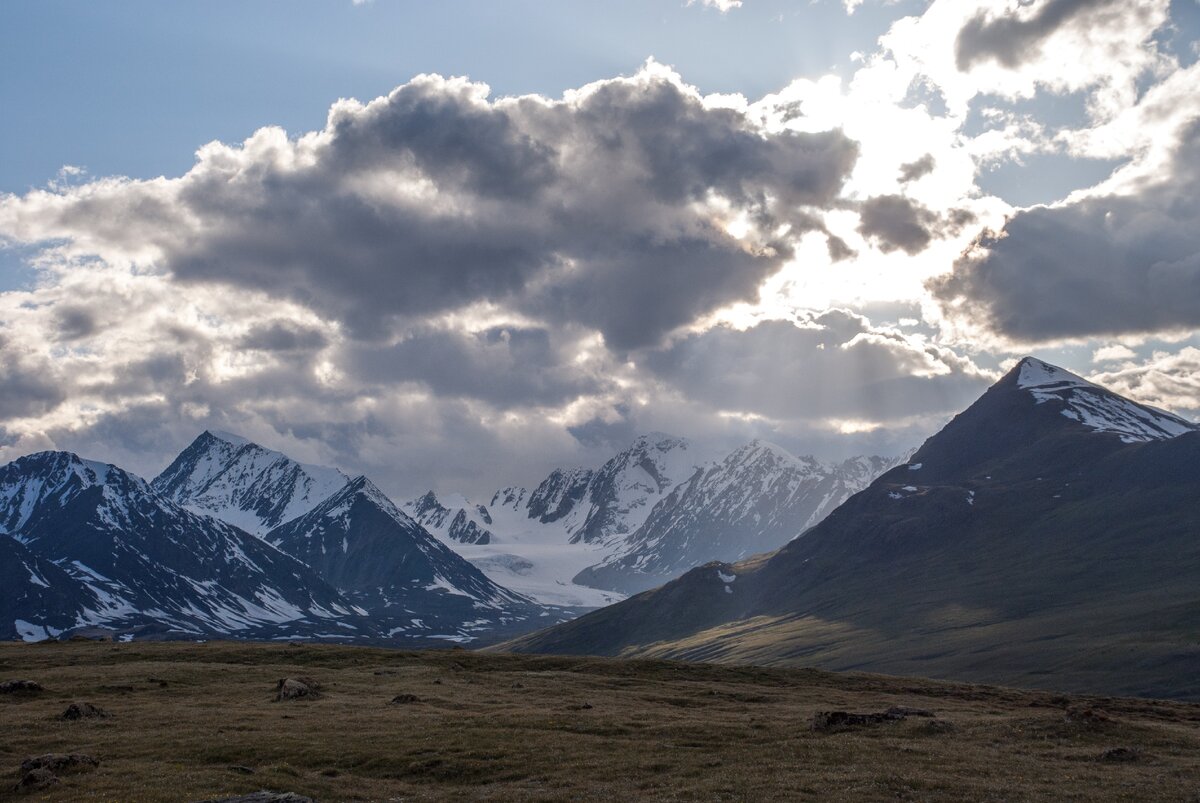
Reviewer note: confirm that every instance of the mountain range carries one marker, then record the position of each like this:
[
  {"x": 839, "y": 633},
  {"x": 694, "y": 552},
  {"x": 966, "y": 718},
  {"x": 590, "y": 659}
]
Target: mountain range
[
  {"x": 1045, "y": 537},
  {"x": 234, "y": 539}
]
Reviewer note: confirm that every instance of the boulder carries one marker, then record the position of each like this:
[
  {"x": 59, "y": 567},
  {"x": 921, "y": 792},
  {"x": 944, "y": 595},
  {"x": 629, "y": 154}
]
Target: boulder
[
  {"x": 296, "y": 689},
  {"x": 60, "y": 762},
  {"x": 20, "y": 687},
  {"x": 843, "y": 720},
  {"x": 262, "y": 797},
  {"x": 36, "y": 780},
  {"x": 84, "y": 711}
]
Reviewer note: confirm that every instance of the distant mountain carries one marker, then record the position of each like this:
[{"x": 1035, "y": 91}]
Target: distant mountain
[
  {"x": 1047, "y": 537},
  {"x": 535, "y": 542},
  {"x": 755, "y": 500},
  {"x": 620, "y": 495},
  {"x": 243, "y": 484},
  {"x": 649, "y": 513},
  {"x": 465, "y": 523},
  {"x": 361, "y": 543},
  {"x": 101, "y": 548}
]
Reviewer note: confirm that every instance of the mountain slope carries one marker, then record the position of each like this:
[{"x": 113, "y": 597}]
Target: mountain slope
[
  {"x": 244, "y": 484},
  {"x": 755, "y": 500},
  {"x": 1026, "y": 543},
  {"x": 137, "y": 561},
  {"x": 38, "y": 590}
]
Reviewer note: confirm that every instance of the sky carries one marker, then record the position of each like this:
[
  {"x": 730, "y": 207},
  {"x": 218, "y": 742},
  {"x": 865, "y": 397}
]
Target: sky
[{"x": 456, "y": 245}]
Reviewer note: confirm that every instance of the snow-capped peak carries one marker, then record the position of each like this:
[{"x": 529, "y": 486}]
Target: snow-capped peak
[
  {"x": 452, "y": 518},
  {"x": 29, "y": 481},
  {"x": 1035, "y": 374},
  {"x": 1096, "y": 408},
  {"x": 245, "y": 484}
]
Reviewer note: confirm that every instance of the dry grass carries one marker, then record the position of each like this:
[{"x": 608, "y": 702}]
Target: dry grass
[{"x": 502, "y": 727}]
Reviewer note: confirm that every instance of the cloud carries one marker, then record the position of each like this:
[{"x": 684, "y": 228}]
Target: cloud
[
  {"x": 505, "y": 366},
  {"x": 1010, "y": 39},
  {"x": 434, "y": 197},
  {"x": 826, "y": 366},
  {"x": 720, "y": 5},
  {"x": 911, "y": 171},
  {"x": 895, "y": 222},
  {"x": 1168, "y": 380},
  {"x": 1123, "y": 260}
]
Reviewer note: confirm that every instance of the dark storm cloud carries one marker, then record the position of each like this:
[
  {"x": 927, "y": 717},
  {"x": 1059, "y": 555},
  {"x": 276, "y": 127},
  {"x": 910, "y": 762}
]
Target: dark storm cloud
[
  {"x": 832, "y": 366},
  {"x": 1103, "y": 265},
  {"x": 1010, "y": 40},
  {"x": 911, "y": 171}
]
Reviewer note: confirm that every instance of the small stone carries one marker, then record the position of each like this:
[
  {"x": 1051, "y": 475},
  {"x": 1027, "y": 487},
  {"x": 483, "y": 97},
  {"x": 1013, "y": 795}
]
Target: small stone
[
  {"x": 20, "y": 687},
  {"x": 404, "y": 699},
  {"x": 1121, "y": 754}
]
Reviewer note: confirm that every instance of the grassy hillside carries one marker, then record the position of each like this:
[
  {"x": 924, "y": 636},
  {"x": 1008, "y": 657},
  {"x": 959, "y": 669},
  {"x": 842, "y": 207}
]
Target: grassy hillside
[{"x": 190, "y": 721}]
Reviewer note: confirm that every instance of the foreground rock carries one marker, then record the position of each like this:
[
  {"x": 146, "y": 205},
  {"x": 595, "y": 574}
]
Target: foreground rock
[
  {"x": 35, "y": 781},
  {"x": 38, "y": 772},
  {"x": 20, "y": 687},
  {"x": 297, "y": 689},
  {"x": 828, "y": 721},
  {"x": 60, "y": 762},
  {"x": 262, "y": 797},
  {"x": 84, "y": 711}
]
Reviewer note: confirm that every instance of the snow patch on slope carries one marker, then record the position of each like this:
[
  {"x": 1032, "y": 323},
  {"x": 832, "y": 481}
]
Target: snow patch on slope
[{"x": 1096, "y": 408}]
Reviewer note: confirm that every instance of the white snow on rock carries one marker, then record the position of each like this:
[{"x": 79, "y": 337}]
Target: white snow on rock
[
  {"x": 244, "y": 484},
  {"x": 1096, "y": 408}
]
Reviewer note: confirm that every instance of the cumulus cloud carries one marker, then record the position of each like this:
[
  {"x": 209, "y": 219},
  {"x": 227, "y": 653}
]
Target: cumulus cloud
[
  {"x": 1011, "y": 39},
  {"x": 1109, "y": 263},
  {"x": 1167, "y": 379},
  {"x": 607, "y": 207}
]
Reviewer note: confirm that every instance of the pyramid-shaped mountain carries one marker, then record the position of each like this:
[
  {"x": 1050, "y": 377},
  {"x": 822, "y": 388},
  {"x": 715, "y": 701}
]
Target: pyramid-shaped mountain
[
  {"x": 244, "y": 484},
  {"x": 1048, "y": 536},
  {"x": 359, "y": 541}
]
